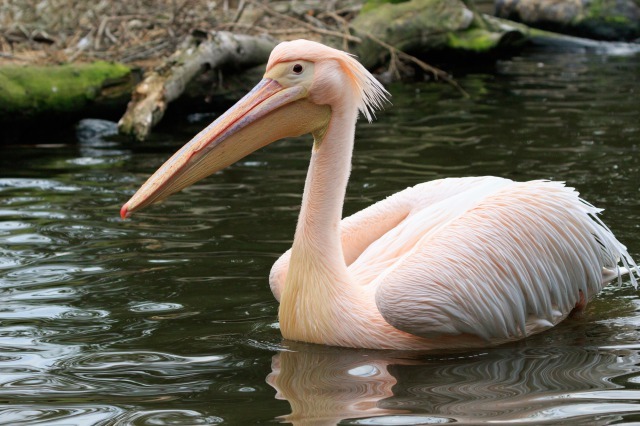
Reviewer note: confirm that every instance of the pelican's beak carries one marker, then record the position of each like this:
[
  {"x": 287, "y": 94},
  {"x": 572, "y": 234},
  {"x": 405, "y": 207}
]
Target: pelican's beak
[{"x": 268, "y": 113}]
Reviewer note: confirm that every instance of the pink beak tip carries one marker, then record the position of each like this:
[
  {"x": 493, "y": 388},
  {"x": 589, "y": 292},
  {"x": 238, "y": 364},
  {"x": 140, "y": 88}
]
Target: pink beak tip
[{"x": 124, "y": 211}]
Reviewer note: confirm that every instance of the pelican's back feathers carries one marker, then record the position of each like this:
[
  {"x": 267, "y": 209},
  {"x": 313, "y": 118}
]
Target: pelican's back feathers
[{"x": 517, "y": 261}]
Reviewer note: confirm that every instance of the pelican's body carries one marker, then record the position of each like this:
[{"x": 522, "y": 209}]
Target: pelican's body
[{"x": 450, "y": 263}]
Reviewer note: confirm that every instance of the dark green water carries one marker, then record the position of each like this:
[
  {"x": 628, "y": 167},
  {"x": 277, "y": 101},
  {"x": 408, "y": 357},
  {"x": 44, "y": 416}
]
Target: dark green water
[{"x": 168, "y": 318}]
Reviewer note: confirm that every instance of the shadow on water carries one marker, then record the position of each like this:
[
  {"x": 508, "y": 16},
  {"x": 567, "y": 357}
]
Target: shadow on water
[{"x": 168, "y": 319}]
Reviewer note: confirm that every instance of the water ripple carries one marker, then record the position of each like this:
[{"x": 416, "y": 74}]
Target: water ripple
[
  {"x": 64, "y": 415},
  {"x": 144, "y": 360},
  {"x": 43, "y": 274},
  {"x": 40, "y": 184},
  {"x": 152, "y": 307},
  {"x": 167, "y": 417}
]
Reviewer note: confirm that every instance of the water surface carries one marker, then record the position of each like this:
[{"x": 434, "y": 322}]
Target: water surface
[{"x": 168, "y": 318}]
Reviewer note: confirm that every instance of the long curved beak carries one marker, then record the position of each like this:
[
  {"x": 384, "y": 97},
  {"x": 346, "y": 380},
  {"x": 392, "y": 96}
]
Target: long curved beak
[{"x": 268, "y": 113}]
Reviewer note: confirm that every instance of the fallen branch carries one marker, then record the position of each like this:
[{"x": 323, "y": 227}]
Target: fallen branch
[
  {"x": 347, "y": 36},
  {"x": 399, "y": 54},
  {"x": 152, "y": 96}
]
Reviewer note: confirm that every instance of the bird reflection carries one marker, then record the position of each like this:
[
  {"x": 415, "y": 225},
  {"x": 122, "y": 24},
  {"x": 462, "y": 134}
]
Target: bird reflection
[{"x": 325, "y": 385}]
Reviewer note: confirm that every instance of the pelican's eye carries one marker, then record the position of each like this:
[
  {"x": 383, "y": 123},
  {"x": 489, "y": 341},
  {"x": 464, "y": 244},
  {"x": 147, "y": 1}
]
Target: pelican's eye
[{"x": 297, "y": 69}]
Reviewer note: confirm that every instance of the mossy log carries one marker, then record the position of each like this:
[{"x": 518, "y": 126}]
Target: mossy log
[
  {"x": 598, "y": 19},
  {"x": 196, "y": 55},
  {"x": 419, "y": 26},
  {"x": 61, "y": 90}
]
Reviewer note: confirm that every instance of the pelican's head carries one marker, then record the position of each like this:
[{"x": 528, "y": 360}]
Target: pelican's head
[{"x": 305, "y": 82}]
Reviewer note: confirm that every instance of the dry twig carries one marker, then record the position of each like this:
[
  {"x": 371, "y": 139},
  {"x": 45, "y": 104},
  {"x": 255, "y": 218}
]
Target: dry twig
[
  {"x": 436, "y": 72},
  {"x": 307, "y": 25}
]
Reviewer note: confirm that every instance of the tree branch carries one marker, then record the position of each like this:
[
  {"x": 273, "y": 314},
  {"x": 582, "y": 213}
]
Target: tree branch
[{"x": 152, "y": 96}]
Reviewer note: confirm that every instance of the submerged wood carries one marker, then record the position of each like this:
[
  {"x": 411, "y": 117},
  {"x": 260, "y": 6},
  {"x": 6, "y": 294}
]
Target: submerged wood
[{"x": 165, "y": 84}]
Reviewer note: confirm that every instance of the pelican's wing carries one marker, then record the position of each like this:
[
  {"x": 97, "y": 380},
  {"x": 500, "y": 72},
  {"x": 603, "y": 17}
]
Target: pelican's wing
[
  {"x": 508, "y": 260},
  {"x": 426, "y": 209},
  {"x": 370, "y": 238}
]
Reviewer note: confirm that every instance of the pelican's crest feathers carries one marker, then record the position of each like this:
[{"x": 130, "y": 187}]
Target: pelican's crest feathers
[{"x": 371, "y": 93}]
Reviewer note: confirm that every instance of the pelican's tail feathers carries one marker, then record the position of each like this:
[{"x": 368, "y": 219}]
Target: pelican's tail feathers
[{"x": 609, "y": 274}]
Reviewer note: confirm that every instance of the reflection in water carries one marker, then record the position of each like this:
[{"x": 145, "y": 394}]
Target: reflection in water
[{"x": 325, "y": 385}]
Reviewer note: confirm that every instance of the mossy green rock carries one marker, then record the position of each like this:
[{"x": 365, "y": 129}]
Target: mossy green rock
[
  {"x": 597, "y": 19},
  {"x": 27, "y": 91},
  {"x": 420, "y": 26}
]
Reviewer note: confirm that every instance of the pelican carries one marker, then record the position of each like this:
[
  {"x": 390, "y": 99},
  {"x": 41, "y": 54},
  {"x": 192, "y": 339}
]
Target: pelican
[{"x": 451, "y": 263}]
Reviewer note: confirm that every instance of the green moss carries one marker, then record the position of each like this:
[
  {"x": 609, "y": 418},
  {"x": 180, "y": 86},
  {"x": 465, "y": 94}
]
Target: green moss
[
  {"x": 604, "y": 10},
  {"x": 475, "y": 40},
  {"x": 29, "y": 90},
  {"x": 416, "y": 25},
  {"x": 607, "y": 19},
  {"x": 421, "y": 26}
]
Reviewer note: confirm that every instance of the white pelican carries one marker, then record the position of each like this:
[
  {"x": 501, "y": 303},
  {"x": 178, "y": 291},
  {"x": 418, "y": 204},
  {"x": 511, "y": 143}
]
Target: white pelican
[{"x": 451, "y": 263}]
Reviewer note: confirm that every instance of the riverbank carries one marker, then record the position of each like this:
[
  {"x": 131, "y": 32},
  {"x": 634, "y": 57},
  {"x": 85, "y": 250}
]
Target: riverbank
[{"x": 207, "y": 48}]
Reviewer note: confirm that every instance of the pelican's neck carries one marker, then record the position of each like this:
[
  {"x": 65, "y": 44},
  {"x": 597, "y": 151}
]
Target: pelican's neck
[
  {"x": 319, "y": 293},
  {"x": 318, "y": 227}
]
